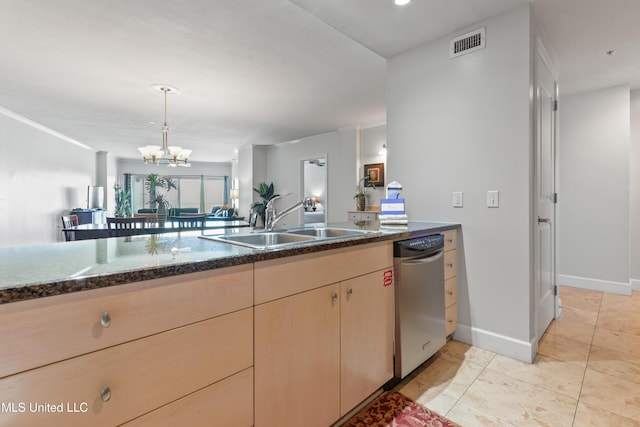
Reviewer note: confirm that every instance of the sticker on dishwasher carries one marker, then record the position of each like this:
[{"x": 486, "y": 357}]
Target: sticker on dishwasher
[{"x": 387, "y": 278}]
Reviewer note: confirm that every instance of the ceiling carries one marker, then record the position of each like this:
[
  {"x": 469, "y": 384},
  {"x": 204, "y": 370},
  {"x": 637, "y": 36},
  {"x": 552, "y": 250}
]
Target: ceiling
[{"x": 258, "y": 71}]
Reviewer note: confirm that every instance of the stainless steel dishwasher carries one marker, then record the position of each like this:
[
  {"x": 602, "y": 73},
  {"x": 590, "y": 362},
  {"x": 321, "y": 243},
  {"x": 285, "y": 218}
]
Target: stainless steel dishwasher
[{"x": 420, "y": 320}]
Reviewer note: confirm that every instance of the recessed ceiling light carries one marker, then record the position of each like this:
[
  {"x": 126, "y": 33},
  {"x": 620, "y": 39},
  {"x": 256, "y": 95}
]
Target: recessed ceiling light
[{"x": 402, "y": 2}]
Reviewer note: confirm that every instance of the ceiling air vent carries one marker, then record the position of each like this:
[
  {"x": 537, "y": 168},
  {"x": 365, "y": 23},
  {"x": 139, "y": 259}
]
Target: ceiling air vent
[{"x": 467, "y": 43}]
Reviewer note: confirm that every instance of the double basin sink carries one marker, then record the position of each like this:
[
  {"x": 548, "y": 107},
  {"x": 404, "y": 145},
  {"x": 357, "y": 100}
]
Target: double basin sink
[{"x": 278, "y": 239}]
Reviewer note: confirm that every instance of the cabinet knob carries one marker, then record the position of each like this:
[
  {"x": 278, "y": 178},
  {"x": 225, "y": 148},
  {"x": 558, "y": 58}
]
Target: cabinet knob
[
  {"x": 105, "y": 393},
  {"x": 334, "y": 297},
  {"x": 450, "y": 264},
  {"x": 450, "y": 292},
  {"x": 349, "y": 292},
  {"x": 450, "y": 240},
  {"x": 105, "y": 319},
  {"x": 450, "y": 320}
]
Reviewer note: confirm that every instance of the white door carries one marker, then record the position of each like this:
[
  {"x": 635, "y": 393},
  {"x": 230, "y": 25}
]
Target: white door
[{"x": 544, "y": 182}]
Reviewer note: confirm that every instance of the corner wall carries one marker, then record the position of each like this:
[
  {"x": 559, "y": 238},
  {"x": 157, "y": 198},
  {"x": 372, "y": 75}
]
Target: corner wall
[
  {"x": 634, "y": 192},
  {"x": 595, "y": 189},
  {"x": 43, "y": 176},
  {"x": 463, "y": 124}
]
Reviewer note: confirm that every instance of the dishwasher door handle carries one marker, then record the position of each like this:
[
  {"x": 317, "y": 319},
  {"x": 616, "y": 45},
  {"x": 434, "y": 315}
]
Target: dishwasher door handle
[{"x": 423, "y": 260}]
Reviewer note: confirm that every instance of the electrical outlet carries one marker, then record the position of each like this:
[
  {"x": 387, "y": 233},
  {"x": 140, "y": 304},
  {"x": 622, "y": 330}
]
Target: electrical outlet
[
  {"x": 457, "y": 199},
  {"x": 493, "y": 199}
]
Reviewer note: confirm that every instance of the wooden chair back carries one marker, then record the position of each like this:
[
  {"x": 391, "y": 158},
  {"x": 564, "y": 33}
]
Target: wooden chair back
[
  {"x": 188, "y": 221},
  {"x": 69, "y": 221},
  {"x": 125, "y": 226}
]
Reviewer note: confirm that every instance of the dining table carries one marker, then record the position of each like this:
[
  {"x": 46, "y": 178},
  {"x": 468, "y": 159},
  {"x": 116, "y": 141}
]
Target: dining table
[{"x": 99, "y": 231}]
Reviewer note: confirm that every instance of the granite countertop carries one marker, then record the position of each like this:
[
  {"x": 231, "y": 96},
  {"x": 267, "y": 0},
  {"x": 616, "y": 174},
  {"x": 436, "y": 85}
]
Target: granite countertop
[{"x": 37, "y": 271}]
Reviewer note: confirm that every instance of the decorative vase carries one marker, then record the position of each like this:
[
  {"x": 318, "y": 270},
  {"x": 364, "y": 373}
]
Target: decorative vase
[
  {"x": 361, "y": 202},
  {"x": 161, "y": 213}
]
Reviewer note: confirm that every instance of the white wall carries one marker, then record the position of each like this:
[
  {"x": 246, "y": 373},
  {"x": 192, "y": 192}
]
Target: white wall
[
  {"x": 463, "y": 124},
  {"x": 43, "y": 177},
  {"x": 284, "y": 169},
  {"x": 371, "y": 140},
  {"x": 594, "y": 201},
  {"x": 634, "y": 190}
]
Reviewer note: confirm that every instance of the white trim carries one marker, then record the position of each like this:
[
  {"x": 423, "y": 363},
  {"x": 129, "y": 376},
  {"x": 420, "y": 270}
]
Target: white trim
[
  {"x": 502, "y": 344},
  {"x": 35, "y": 125},
  {"x": 635, "y": 284},
  {"x": 596, "y": 284}
]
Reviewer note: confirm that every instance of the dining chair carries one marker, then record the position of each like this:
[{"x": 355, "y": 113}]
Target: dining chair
[
  {"x": 125, "y": 226},
  {"x": 69, "y": 221},
  {"x": 151, "y": 218},
  {"x": 188, "y": 221}
]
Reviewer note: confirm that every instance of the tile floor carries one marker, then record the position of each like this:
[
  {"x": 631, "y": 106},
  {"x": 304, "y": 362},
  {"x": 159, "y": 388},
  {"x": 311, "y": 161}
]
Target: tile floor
[{"x": 587, "y": 372}]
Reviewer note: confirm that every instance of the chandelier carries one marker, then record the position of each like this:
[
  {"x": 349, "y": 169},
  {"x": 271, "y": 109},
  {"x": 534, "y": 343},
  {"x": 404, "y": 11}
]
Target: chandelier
[{"x": 166, "y": 155}]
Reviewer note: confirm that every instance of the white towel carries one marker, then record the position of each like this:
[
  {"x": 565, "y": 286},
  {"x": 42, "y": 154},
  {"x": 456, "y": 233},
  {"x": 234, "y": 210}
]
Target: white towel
[
  {"x": 393, "y": 217},
  {"x": 394, "y": 222}
]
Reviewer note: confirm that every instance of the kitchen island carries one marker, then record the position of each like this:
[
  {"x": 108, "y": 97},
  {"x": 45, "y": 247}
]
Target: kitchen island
[{"x": 95, "y": 324}]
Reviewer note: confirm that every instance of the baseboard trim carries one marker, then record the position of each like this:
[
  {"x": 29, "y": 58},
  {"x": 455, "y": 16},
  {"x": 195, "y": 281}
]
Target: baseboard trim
[
  {"x": 596, "y": 284},
  {"x": 635, "y": 284},
  {"x": 502, "y": 344}
]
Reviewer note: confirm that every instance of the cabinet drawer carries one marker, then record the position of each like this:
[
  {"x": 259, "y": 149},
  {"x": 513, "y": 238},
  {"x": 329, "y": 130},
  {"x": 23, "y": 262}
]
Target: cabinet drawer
[
  {"x": 450, "y": 291},
  {"x": 450, "y": 239},
  {"x": 450, "y": 264},
  {"x": 282, "y": 277},
  {"x": 50, "y": 329},
  {"x": 362, "y": 216},
  {"x": 451, "y": 316},
  {"x": 226, "y": 403},
  {"x": 142, "y": 375}
]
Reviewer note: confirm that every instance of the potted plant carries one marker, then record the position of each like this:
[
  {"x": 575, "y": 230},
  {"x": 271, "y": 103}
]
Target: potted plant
[
  {"x": 266, "y": 192},
  {"x": 122, "y": 202},
  {"x": 158, "y": 199},
  {"x": 361, "y": 193}
]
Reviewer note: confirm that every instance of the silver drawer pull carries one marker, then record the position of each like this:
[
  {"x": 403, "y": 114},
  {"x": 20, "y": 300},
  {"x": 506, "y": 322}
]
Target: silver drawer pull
[
  {"x": 105, "y": 319},
  {"x": 105, "y": 393}
]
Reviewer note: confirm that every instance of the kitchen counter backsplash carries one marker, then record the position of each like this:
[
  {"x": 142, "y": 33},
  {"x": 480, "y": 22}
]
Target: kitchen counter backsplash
[{"x": 36, "y": 271}]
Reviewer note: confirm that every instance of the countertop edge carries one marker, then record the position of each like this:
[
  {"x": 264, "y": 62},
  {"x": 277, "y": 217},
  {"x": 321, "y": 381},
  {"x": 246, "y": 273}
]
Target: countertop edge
[{"x": 29, "y": 292}]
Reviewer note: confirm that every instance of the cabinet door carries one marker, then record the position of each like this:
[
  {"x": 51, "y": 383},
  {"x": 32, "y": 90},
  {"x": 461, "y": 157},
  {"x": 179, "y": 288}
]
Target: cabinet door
[
  {"x": 366, "y": 337},
  {"x": 297, "y": 360}
]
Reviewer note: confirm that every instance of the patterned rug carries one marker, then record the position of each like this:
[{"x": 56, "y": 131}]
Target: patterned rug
[{"x": 392, "y": 409}]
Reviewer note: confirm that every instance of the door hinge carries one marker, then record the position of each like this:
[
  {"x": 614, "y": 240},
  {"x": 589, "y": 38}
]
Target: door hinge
[
  {"x": 554, "y": 198},
  {"x": 555, "y": 105},
  {"x": 555, "y": 290}
]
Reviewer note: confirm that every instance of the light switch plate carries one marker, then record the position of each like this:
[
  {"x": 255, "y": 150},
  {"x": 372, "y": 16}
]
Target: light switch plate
[
  {"x": 457, "y": 199},
  {"x": 493, "y": 199}
]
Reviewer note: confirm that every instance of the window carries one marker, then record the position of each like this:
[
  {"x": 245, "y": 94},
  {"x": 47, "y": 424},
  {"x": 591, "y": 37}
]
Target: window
[{"x": 200, "y": 192}]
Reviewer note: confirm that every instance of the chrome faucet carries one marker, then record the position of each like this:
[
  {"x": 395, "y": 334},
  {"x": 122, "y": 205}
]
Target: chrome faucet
[{"x": 271, "y": 217}]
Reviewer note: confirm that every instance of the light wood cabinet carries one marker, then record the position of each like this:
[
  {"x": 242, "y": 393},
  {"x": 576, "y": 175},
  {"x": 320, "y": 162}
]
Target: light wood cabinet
[
  {"x": 164, "y": 340},
  {"x": 322, "y": 351},
  {"x": 450, "y": 284},
  {"x": 297, "y": 359},
  {"x": 366, "y": 335}
]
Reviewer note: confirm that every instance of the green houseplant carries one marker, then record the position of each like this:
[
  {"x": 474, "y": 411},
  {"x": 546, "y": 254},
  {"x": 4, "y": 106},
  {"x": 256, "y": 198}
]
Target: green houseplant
[
  {"x": 266, "y": 193},
  {"x": 361, "y": 193},
  {"x": 122, "y": 202},
  {"x": 158, "y": 199}
]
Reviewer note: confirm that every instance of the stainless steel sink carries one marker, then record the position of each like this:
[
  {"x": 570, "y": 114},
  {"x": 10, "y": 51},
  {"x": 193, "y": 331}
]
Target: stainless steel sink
[
  {"x": 326, "y": 233},
  {"x": 263, "y": 240}
]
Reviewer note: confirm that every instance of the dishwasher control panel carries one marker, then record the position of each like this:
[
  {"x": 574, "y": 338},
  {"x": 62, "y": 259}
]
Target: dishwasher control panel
[{"x": 419, "y": 245}]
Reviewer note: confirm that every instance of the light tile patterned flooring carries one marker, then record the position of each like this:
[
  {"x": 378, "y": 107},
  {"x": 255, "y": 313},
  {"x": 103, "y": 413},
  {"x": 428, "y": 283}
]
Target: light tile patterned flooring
[{"x": 587, "y": 372}]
